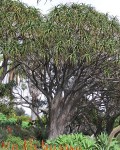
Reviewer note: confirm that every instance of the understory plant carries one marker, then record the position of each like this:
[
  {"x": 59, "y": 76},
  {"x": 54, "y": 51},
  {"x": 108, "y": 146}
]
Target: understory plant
[
  {"x": 85, "y": 142},
  {"x": 74, "y": 140},
  {"x": 104, "y": 144}
]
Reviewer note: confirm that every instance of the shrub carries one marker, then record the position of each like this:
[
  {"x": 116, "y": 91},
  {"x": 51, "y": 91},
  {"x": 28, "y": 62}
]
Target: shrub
[
  {"x": 23, "y": 133},
  {"x": 103, "y": 143},
  {"x": 74, "y": 140},
  {"x": 23, "y": 118},
  {"x": 5, "y": 109},
  {"x": 85, "y": 142},
  {"x": 2, "y": 117},
  {"x": 7, "y": 121},
  {"x": 25, "y": 124},
  {"x": 12, "y": 121}
]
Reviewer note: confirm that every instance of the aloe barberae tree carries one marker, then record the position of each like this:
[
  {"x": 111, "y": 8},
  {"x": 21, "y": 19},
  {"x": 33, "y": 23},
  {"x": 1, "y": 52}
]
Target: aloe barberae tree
[
  {"x": 76, "y": 48},
  {"x": 18, "y": 26},
  {"x": 64, "y": 54}
]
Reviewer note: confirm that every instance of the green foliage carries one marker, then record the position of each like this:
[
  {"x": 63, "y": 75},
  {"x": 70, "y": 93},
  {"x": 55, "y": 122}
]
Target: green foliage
[
  {"x": 70, "y": 32},
  {"x": 15, "y": 120},
  {"x": 74, "y": 140},
  {"x": 2, "y": 117},
  {"x": 80, "y": 32},
  {"x": 23, "y": 118},
  {"x": 5, "y": 89},
  {"x": 85, "y": 142},
  {"x": 5, "y": 109},
  {"x": 7, "y": 121},
  {"x": 12, "y": 120},
  {"x": 118, "y": 138},
  {"x": 25, "y": 124},
  {"x": 103, "y": 144},
  {"x": 20, "y": 130},
  {"x": 19, "y": 26},
  {"x": 17, "y": 125}
]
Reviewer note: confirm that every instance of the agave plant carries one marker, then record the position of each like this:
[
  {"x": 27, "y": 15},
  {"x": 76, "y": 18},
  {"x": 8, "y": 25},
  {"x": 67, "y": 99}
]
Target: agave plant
[
  {"x": 103, "y": 143},
  {"x": 74, "y": 140}
]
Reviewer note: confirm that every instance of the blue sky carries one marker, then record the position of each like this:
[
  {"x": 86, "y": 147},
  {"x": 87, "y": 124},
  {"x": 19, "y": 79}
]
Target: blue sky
[{"x": 106, "y": 6}]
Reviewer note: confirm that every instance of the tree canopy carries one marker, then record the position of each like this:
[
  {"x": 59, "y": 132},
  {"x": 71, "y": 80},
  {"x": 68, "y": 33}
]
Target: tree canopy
[{"x": 19, "y": 24}]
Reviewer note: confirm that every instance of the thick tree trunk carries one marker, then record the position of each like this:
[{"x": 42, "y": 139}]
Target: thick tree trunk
[
  {"x": 57, "y": 127},
  {"x": 59, "y": 117}
]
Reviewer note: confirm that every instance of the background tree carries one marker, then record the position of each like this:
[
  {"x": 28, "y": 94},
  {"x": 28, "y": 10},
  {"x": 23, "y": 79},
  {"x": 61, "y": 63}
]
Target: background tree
[
  {"x": 18, "y": 22},
  {"x": 100, "y": 108}
]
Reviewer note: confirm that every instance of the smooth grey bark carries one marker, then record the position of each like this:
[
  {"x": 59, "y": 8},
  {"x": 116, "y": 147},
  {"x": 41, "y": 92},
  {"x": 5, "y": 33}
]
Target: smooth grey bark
[{"x": 58, "y": 120}]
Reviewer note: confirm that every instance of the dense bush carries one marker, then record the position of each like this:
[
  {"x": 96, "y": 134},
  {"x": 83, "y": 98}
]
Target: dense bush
[
  {"x": 15, "y": 130},
  {"x": 4, "y": 121},
  {"x": 85, "y": 142},
  {"x": 16, "y": 120},
  {"x": 5, "y": 109},
  {"x": 2, "y": 117},
  {"x": 74, "y": 140},
  {"x": 103, "y": 143},
  {"x": 23, "y": 117},
  {"x": 22, "y": 126}
]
